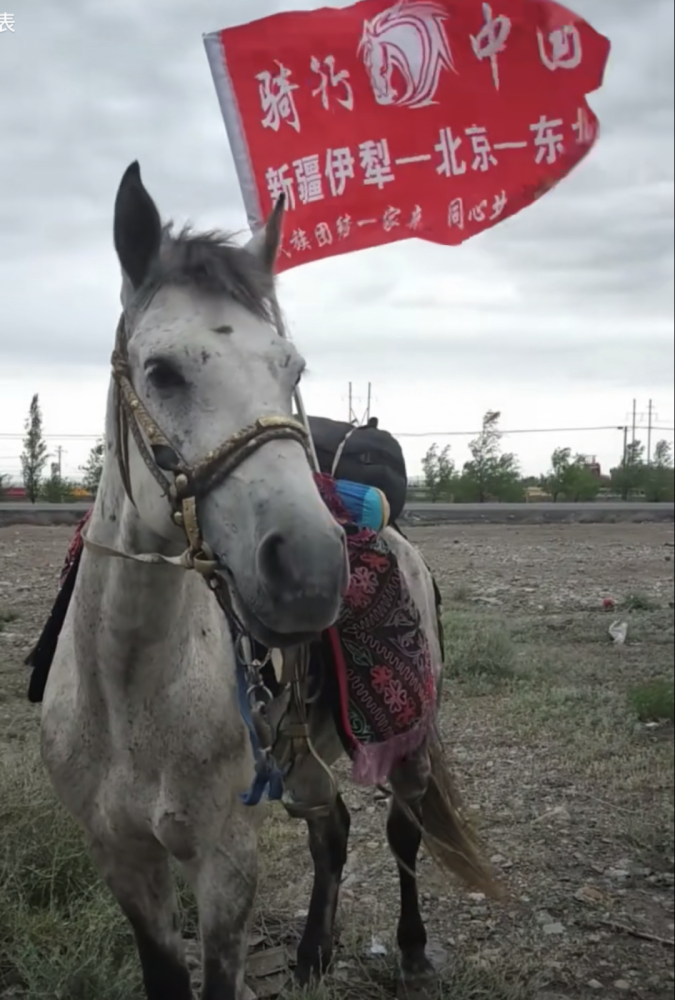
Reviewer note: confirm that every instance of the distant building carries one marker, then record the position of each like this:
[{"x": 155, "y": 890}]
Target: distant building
[
  {"x": 16, "y": 493},
  {"x": 535, "y": 494},
  {"x": 591, "y": 463}
]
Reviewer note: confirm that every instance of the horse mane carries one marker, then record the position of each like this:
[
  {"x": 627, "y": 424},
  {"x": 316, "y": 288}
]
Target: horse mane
[{"x": 212, "y": 262}]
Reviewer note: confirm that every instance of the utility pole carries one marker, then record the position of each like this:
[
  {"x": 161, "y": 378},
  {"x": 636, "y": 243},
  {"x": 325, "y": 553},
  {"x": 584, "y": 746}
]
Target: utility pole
[
  {"x": 59, "y": 455},
  {"x": 353, "y": 400},
  {"x": 634, "y": 421},
  {"x": 625, "y": 443},
  {"x": 650, "y": 423}
]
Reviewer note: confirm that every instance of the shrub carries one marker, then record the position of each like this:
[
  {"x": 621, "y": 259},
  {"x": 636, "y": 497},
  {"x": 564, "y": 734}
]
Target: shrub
[
  {"x": 478, "y": 650},
  {"x": 654, "y": 701},
  {"x": 639, "y": 602}
]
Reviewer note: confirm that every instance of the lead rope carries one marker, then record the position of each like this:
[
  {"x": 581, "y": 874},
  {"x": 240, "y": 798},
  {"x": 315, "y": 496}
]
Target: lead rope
[
  {"x": 186, "y": 561},
  {"x": 340, "y": 452}
]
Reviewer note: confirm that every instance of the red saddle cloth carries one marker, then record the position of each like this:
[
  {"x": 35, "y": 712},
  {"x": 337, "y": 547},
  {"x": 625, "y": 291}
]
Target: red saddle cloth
[{"x": 380, "y": 653}]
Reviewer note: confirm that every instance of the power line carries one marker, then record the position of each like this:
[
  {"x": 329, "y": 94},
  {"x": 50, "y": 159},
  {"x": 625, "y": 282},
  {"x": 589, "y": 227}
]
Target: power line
[
  {"x": 524, "y": 430},
  {"x": 53, "y": 437},
  {"x": 408, "y": 434}
]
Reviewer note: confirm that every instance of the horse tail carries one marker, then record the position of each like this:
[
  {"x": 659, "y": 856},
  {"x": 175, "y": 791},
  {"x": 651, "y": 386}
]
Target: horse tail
[{"x": 447, "y": 834}]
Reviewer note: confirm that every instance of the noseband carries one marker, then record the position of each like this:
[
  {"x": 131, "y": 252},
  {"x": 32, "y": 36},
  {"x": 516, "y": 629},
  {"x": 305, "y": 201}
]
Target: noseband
[{"x": 185, "y": 485}]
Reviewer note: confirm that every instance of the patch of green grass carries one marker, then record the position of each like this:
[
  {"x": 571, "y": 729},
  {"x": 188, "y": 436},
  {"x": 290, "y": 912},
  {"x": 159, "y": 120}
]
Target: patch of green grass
[
  {"x": 569, "y": 711},
  {"x": 62, "y": 936},
  {"x": 475, "y": 979},
  {"x": 639, "y": 601},
  {"x": 478, "y": 650},
  {"x": 654, "y": 701}
]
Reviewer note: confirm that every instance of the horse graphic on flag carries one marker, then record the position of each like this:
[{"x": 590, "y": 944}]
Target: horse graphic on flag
[{"x": 408, "y": 41}]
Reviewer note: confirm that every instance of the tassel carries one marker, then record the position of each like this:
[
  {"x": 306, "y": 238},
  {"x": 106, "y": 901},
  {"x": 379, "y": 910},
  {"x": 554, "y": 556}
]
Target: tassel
[{"x": 367, "y": 506}]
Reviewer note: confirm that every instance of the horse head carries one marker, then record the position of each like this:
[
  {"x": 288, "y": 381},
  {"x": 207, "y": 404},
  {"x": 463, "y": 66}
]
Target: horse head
[
  {"x": 208, "y": 393},
  {"x": 378, "y": 65}
]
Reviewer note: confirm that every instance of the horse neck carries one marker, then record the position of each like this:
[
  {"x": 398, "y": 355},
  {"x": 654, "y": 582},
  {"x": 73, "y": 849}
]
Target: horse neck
[{"x": 137, "y": 609}]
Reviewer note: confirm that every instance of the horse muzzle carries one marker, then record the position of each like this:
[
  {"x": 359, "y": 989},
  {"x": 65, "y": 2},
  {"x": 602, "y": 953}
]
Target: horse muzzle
[{"x": 294, "y": 584}]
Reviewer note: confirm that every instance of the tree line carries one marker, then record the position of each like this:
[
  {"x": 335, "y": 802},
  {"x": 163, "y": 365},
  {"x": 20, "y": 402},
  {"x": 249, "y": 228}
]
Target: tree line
[
  {"x": 492, "y": 474},
  {"x": 48, "y": 485}
]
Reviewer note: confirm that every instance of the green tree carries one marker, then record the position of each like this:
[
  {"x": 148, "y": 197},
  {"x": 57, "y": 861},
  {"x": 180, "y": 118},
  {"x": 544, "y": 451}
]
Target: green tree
[
  {"x": 663, "y": 455},
  {"x": 56, "y": 489},
  {"x": 630, "y": 474},
  {"x": 491, "y": 474},
  {"x": 558, "y": 477},
  {"x": 34, "y": 455},
  {"x": 93, "y": 467},
  {"x": 583, "y": 484},
  {"x": 660, "y": 477},
  {"x": 571, "y": 477},
  {"x": 439, "y": 473}
]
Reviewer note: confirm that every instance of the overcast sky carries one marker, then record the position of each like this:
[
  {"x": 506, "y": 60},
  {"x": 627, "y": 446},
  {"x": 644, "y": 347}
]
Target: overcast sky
[{"x": 558, "y": 317}]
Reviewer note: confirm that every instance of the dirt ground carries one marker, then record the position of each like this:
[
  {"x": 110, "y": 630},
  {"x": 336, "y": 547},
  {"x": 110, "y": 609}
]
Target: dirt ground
[{"x": 573, "y": 793}]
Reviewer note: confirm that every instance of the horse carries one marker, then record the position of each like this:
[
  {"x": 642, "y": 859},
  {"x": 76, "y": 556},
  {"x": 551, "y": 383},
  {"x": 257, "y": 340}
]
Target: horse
[{"x": 143, "y": 735}]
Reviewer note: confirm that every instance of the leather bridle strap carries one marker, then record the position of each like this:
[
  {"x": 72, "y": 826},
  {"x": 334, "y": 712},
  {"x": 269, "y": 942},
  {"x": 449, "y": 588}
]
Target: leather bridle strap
[{"x": 160, "y": 456}]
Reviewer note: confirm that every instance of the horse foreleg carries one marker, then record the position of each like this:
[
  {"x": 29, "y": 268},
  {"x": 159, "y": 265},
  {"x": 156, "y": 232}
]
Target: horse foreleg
[
  {"x": 224, "y": 880},
  {"x": 409, "y": 781},
  {"x": 328, "y": 839},
  {"x": 139, "y": 877}
]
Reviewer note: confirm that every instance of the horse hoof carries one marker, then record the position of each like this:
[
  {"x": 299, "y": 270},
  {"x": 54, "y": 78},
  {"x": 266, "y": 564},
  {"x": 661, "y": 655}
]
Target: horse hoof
[
  {"x": 420, "y": 983},
  {"x": 306, "y": 976},
  {"x": 417, "y": 989}
]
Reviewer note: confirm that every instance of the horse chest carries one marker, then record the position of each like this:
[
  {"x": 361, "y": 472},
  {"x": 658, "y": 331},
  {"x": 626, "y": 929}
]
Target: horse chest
[
  {"x": 176, "y": 831},
  {"x": 133, "y": 802}
]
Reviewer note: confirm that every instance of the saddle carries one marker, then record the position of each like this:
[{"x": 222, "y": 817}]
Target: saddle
[{"x": 365, "y": 455}]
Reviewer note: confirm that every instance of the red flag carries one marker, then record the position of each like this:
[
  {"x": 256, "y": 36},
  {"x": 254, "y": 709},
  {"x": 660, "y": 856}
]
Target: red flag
[{"x": 389, "y": 120}]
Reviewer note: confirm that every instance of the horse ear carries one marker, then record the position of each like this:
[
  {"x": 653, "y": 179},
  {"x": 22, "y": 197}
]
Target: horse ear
[
  {"x": 266, "y": 242},
  {"x": 137, "y": 227}
]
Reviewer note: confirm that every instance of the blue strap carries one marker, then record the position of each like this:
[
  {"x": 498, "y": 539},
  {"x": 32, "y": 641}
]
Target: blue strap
[{"x": 269, "y": 780}]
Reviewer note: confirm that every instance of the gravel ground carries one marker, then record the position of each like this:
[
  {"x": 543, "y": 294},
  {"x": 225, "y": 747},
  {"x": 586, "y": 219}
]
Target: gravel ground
[{"x": 573, "y": 794}]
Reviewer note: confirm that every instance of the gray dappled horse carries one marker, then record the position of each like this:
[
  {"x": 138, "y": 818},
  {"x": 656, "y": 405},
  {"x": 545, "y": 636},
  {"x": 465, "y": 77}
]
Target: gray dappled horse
[{"x": 142, "y": 733}]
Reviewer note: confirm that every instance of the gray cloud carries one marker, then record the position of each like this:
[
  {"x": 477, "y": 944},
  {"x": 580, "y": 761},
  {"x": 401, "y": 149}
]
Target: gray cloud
[
  {"x": 579, "y": 287},
  {"x": 544, "y": 355}
]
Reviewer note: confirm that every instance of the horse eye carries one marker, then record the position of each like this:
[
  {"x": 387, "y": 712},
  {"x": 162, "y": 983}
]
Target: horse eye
[{"x": 163, "y": 375}]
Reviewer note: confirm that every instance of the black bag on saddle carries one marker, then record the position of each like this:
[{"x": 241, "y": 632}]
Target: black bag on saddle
[{"x": 367, "y": 455}]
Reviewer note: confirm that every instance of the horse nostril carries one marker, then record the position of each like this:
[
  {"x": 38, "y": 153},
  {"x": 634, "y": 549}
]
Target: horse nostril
[{"x": 274, "y": 564}]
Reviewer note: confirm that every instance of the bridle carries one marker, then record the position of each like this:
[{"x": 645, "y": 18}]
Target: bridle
[{"x": 183, "y": 484}]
